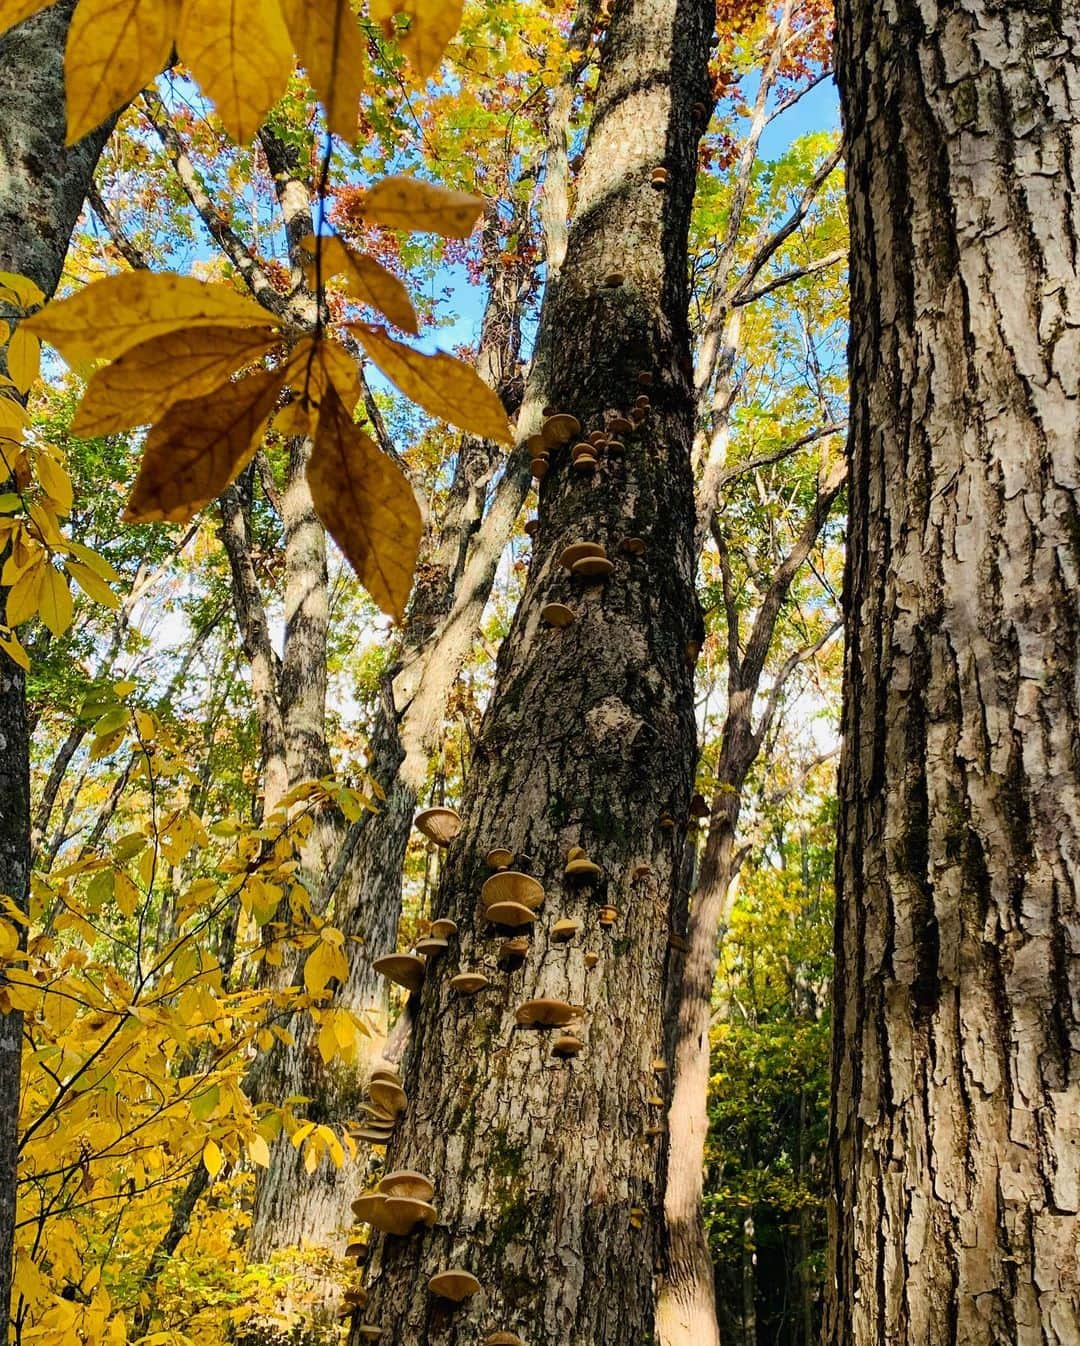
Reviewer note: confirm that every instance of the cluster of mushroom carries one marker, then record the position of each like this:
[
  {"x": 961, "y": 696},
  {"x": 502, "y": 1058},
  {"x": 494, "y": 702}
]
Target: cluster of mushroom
[
  {"x": 560, "y": 428},
  {"x": 399, "y": 1204},
  {"x": 386, "y": 1102}
]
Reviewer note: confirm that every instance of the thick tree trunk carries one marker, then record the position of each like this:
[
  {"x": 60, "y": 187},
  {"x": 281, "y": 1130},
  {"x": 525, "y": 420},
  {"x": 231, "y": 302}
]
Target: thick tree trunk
[
  {"x": 42, "y": 190},
  {"x": 539, "y": 1163},
  {"x": 955, "y": 1140}
]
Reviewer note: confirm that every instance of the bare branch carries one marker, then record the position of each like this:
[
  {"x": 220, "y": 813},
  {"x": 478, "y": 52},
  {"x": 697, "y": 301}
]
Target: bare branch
[{"x": 788, "y": 277}]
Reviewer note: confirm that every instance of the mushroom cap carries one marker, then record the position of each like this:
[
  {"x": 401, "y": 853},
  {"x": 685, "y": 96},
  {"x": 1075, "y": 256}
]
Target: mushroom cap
[
  {"x": 699, "y": 806},
  {"x": 598, "y": 438},
  {"x": 502, "y": 1339},
  {"x": 545, "y": 1013},
  {"x": 512, "y": 914},
  {"x": 430, "y": 946},
  {"x": 516, "y": 947},
  {"x": 405, "y": 969},
  {"x": 377, "y": 1116},
  {"x": 539, "y": 468},
  {"x": 576, "y": 853},
  {"x": 556, "y": 614},
  {"x": 372, "y": 1135},
  {"x": 345, "y": 1310},
  {"x": 386, "y": 1071},
  {"x": 655, "y": 1101},
  {"x": 620, "y": 425},
  {"x": 443, "y": 928},
  {"x": 560, "y": 429},
  {"x": 369, "y": 1331},
  {"x": 532, "y": 527},
  {"x": 499, "y": 857},
  {"x": 659, "y": 1065},
  {"x": 609, "y": 915},
  {"x": 614, "y": 279},
  {"x": 387, "y": 1095},
  {"x": 366, "y": 1206},
  {"x": 577, "y": 550},
  {"x": 536, "y": 446},
  {"x": 454, "y": 1284},
  {"x": 584, "y": 446},
  {"x": 407, "y": 1182},
  {"x": 634, "y": 546},
  {"x": 440, "y": 825},
  {"x": 565, "y": 929},
  {"x": 591, "y": 958},
  {"x": 510, "y": 885},
  {"x": 358, "y": 1250},
  {"x": 356, "y": 1294},
  {"x": 641, "y": 870},
  {"x": 592, "y": 567},
  {"x": 582, "y": 865},
  {"x": 400, "y": 1215},
  {"x": 645, "y": 378},
  {"x": 468, "y": 983},
  {"x": 566, "y": 1045},
  {"x": 585, "y": 462},
  {"x": 616, "y": 448},
  {"x": 658, "y": 177}
]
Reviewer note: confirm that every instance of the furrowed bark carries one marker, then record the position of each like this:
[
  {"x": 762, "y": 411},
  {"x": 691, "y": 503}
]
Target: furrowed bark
[
  {"x": 541, "y": 1166},
  {"x": 956, "y": 1051},
  {"x": 42, "y": 189}
]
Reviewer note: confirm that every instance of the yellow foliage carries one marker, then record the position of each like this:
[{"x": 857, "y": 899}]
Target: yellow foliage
[
  {"x": 331, "y": 50},
  {"x": 366, "y": 280},
  {"x": 428, "y": 26},
  {"x": 402, "y": 202}
]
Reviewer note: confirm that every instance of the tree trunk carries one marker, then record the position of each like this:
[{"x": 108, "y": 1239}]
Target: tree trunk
[
  {"x": 955, "y": 1137},
  {"x": 540, "y": 1165},
  {"x": 42, "y": 190}
]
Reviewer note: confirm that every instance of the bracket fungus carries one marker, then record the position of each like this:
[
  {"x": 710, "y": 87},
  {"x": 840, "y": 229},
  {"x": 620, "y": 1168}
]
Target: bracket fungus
[
  {"x": 510, "y": 885},
  {"x": 369, "y": 1331},
  {"x": 454, "y": 1284},
  {"x": 502, "y": 1339},
  {"x": 511, "y": 914},
  {"x": 365, "y": 1206},
  {"x": 389, "y": 1096},
  {"x": 585, "y": 462},
  {"x": 658, "y": 178},
  {"x": 468, "y": 983},
  {"x": 616, "y": 448},
  {"x": 634, "y": 546},
  {"x": 514, "y": 948},
  {"x": 667, "y": 822},
  {"x": 404, "y": 969},
  {"x": 599, "y": 438},
  {"x": 618, "y": 424},
  {"x": 546, "y": 1013},
  {"x": 645, "y": 378},
  {"x": 641, "y": 870},
  {"x": 443, "y": 928},
  {"x": 642, "y": 402},
  {"x": 407, "y": 1182},
  {"x": 440, "y": 825},
  {"x": 499, "y": 857},
  {"x": 560, "y": 429},
  {"x": 592, "y": 567},
  {"x": 356, "y": 1295},
  {"x": 539, "y": 468},
  {"x": 431, "y": 946},
  {"x": 609, "y": 915},
  {"x": 578, "y": 865},
  {"x": 556, "y": 614},
  {"x": 578, "y": 551},
  {"x": 591, "y": 958},
  {"x": 567, "y": 1045},
  {"x": 659, "y": 1066},
  {"x": 699, "y": 806},
  {"x": 565, "y": 929},
  {"x": 532, "y": 527}
]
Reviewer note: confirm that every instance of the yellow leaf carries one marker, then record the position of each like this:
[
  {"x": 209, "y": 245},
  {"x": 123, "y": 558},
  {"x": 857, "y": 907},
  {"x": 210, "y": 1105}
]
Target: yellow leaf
[
  {"x": 13, "y": 419},
  {"x": 143, "y": 383},
  {"x": 55, "y": 606},
  {"x": 327, "y": 40},
  {"x": 126, "y": 893},
  {"x": 24, "y": 596},
  {"x": 92, "y": 585},
  {"x": 55, "y": 482},
  {"x": 27, "y": 292},
  {"x": 23, "y": 358},
  {"x": 431, "y": 25},
  {"x": 10, "y": 644},
  {"x": 240, "y": 52},
  {"x": 316, "y": 365},
  {"x": 115, "y": 48},
  {"x": 401, "y": 202},
  {"x": 323, "y": 963},
  {"x": 99, "y": 566},
  {"x": 193, "y": 453},
  {"x": 443, "y": 385},
  {"x": 259, "y": 1151},
  {"x": 365, "y": 280},
  {"x": 111, "y": 316},
  {"x": 14, "y": 11},
  {"x": 366, "y": 502},
  {"x": 212, "y": 1158}
]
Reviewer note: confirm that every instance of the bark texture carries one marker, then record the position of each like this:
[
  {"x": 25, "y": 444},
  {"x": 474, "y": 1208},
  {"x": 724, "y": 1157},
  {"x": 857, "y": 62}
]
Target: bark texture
[
  {"x": 42, "y": 190},
  {"x": 955, "y": 1145},
  {"x": 539, "y": 1163}
]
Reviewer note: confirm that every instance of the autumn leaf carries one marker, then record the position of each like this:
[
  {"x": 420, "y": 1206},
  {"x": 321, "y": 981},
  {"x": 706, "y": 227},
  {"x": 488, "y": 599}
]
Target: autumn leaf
[
  {"x": 199, "y": 446},
  {"x": 430, "y": 26},
  {"x": 212, "y": 1158},
  {"x": 111, "y": 316},
  {"x": 55, "y": 482},
  {"x": 143, "y": 383},
  {"x": 402, "y": 202},
  {"x": 115, "y": 48},
  {"x": 241, "y": 54},
  {"x": 324, "y": 963},
  {"x": 55, "y": 607},
  {"x": 14, "y": 11},
  {"x": 365, "y": 280},
  {"x": 367, "y": 504},
  {"x": 23, "y": 358},
  {"x": 315, "y": 365},
  {"x": 443, "y": 385},
  {"x": 327, "y": 39}
]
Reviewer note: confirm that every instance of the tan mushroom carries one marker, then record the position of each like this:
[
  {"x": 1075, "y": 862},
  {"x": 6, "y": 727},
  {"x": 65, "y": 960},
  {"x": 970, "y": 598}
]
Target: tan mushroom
[
  {"x": 532, "y": 527},
  {"x": 655, "y": 1101},
  {"x": 580, "y": 866},
  {"x": 667, "y": 822},
  {"x": 443, "y": 928},
  {"x": 386, "y": 1070},
  {"x": 645, "y": 378},
  {"x": 511, "y": 914},
  {"x": 404, "y": 969},
  {"x": 577, "y": 551},
  {"x": 503, "y": 1339},
  {"x": 619, "y": 425},
  {"x": 440, "y": 825},
  {"x": 509, "y": 885},
  {"x": 641, "y": 870},
  {"x": 658, "y": 178},
  {"x": 560, "y": 429},
  {"x": 357, "y": 1250},
  {"x": 637, "y": 1217},
  {"x": 454, "y": 1284},
  {"x": 659, "y": 1066},
  {"x": 598, "y": 438},
  {"x": 369, "y": 1331},
  {"x": 591, "y": 958},
  {"x": 400, "y": 1215},
  {"x": 566, "y": 1045},
  {"x": 368, "y": 1205},
  {"x": 390, "y": 1097},
  {"x": 547, "y": 1013},
  {"x": 565, "y": 929},
  {"x": 468, "y": 983},
  {"x": 614, "y": 279},
  {"x": 517, "y": 947},
  {"x": 585, "y": 462},
  {"x": 372, "y": 1135},
  {"x": 616, "y": 448},
  {"x": 499, "y": 857},
  {"x": 407, "y": 1182},
  {"x": 642, "y": 403},
  {"x": 592, "y": 567},
  {"x": 539, "y": 468},
  {"x": 556, "y": 614},
  {"x": 634, "y": 546},
  {"x": 536, "y": 446},
  {"x": 609, "y": 915},
  {"x": 430, "y": 946}
]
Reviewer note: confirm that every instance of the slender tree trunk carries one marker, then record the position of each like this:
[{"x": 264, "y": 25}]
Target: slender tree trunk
[
  {"x": 955, "y": 1136},
  {"x": 539, "y": 1163},
  {"x": 42, "y": 190}
]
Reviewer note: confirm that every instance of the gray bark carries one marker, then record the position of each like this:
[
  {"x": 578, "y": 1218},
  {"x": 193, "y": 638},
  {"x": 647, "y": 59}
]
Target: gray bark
[
  {"x": 588, "y": 739},
  {"x": 955, "y": 1137}
]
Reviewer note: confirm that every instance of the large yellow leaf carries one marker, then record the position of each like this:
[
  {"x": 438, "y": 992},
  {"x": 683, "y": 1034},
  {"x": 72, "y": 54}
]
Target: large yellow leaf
[
  {"x": 365, "y": 280},
  {"x": 114, "y": 49},
  {"x": 198, "y": 447},
  {"x": 14, "y": 11},
  {"x": 56, "y": 607},
  {"x": 111, "y": 316},
  {"x": 366, "y": 502},
  {"x": 430, "y": 24},
  {"x": 327, "y": 39},
  {"x": 241, "y": 54},
  {"x": 23, "y": 358},
  {"x": 141, "y": 385},
  {"x": 401, "y": 202},
  {"x": 440, "y": 383},
  {"x": 314, "y": 365}
]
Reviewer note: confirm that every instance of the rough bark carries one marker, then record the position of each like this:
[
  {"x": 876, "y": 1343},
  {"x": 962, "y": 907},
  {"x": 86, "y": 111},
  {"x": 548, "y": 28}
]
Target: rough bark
[
  {"x": 42, "y": 190},
  {"x": 589, "y": 737},
  {"x": 955, "y": 1136}
]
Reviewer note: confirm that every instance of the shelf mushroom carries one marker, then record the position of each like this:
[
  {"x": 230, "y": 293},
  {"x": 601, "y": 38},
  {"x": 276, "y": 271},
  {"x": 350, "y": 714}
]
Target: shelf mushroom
[
  {"x": 578, "y": 865},
  {"x": 407, "y": 1182},
  {"x": 503, "y": 1339},
  {"x": 567, "y": 1045},
  {"x": 443, "y": 928},
  {"x": 468, "y": 983},
  {"x": 559, "y": 429},
  {"x": 609, "y": 915},
  {"x": 499, "y": 857},
  {"x": 510, "y": 885},
  {"x": 511, "y": 914},
  {"x": 578, "y": 551},
  {"x": 593, "y": 568},
  {"x": 547, "y": 1013},
  {"x": 633, "y": 546},
  {"x": 591, "y": 959},
  {"x": 404, "y": 969},
  {"x": 454, "y": 1284},
  {"x": 440, "y": 825},
  {"x": 618, "y": 424},
  {"x": 556, "y": 614},
  {"x": 369, "y": 1332},
  {"x": 565, "y": 929},
  {"x": 512, "y": 949},
  {"x": 658, "y": 178},
  {"x": 389, "y": 1096},
  {"x": 431, "y": 946}
]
